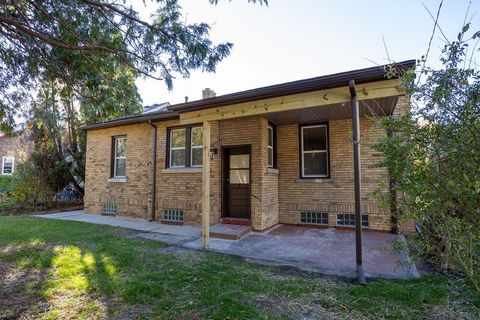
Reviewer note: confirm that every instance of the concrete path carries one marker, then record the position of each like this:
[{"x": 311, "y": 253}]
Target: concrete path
[
  {"x": 328, "y": 251},
  {"x": 126, "y": 222}
]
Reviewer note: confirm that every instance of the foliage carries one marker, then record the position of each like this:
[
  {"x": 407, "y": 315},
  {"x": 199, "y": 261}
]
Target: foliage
[
  {"x": 38, "y": 37},
  {"x": 36, "y": 180},
  {"x": 433, "y": 155},
  {"x": 91, "y": 271}
]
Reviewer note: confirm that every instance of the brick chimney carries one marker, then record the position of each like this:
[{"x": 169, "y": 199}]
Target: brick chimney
[{"x": 208, "y": 93}]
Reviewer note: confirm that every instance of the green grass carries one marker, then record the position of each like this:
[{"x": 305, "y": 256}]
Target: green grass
[{"x": 54, "y": 269}]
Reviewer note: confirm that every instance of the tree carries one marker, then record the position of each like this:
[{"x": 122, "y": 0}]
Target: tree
[
  {"x": 65, "y": 63},
  {"x": 46, "y": 36},
  {"x": 433, "y": 155}
]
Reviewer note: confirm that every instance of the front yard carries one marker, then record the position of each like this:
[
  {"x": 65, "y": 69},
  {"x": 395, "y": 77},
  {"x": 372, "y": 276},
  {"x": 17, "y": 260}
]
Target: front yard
[{"x": 55, "y": 269}]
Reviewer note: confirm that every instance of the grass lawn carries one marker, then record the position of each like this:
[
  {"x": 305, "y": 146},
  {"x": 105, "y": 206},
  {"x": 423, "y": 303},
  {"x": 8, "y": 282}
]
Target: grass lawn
[{"x": 52, "y": 269}]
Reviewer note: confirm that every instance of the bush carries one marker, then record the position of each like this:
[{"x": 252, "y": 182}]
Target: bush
[{"x": 433, "y": 155}]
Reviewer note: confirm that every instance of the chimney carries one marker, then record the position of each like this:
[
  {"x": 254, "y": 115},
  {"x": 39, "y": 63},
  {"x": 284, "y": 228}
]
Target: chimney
[{"x": 208, "y": 93}]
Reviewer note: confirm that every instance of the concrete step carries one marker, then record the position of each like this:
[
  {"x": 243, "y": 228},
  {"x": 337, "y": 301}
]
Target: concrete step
[{"x": 229, "y": 231}]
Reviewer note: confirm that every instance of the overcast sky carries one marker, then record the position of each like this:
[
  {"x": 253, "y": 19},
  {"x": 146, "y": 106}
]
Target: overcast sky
[{"x": 291, "y": 40}]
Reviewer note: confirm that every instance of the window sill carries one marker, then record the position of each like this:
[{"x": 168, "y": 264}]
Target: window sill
[
  {"x": 182, "y": 170},
  {"x": 119, "y": 180},
  {"x": 303, "y": 180},
  {"x": 273, "y": 171}
]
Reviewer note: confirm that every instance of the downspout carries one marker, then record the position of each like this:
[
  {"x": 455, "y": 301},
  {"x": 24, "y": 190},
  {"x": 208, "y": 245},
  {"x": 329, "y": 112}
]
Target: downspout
[
  {"x": 357, "y": 181},
  {"x": 394, "y": 212},
  {"x": 154, "y": 169}
]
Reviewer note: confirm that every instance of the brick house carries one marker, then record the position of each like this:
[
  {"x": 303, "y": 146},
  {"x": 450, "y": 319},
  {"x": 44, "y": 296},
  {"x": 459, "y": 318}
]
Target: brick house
[
  {"x": 275, "y": 155},
  {"x": 13, "y": 149}
]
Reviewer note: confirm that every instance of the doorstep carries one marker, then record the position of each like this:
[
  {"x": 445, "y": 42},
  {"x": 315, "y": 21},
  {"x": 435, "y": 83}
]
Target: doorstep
[
  {"x": 229, "y": 231},
  {"x": 237, "y": 221}
]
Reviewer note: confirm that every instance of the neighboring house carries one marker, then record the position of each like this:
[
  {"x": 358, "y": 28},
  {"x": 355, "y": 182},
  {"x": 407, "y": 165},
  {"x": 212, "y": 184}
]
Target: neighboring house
[
  {"x": 278, "y": 154},
  {"x": 13, "y": 149}
]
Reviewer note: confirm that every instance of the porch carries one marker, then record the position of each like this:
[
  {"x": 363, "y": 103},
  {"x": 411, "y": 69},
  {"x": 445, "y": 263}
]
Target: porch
[{"x": 328, "y": 251}]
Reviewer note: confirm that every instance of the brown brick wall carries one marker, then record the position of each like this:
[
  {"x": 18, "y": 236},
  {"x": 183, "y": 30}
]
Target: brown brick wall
[
  {"x": 334, "y": 195},
  {"x": 131, "y": 196}
]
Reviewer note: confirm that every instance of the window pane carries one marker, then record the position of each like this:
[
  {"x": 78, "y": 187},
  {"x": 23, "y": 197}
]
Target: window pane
[
  {"x": 270, "y": 157},
  {"x": 239, "y": 161},
  {"x": 120, "y": 167},
  {"x": 178, "y": 158},
  {"x": 197, "y": 136},
  {"x": 7, "y": 165},
  {"x": 315, "y": 164},
  {"x": 240, "y": 176},
  {"x": 314, "y": 138},
  {"x": 121, "y": 147},
  {"x": 177, "y": 139},
  {"x": 197, "y": 156},
  {"x": 270, "y": 136}
]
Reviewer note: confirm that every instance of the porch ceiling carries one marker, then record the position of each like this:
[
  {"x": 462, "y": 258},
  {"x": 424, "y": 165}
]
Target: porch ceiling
[{"x": 372, "y": 107}]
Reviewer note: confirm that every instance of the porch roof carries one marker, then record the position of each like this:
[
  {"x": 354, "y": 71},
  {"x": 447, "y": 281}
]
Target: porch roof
[{"x": 372, "y": 108}]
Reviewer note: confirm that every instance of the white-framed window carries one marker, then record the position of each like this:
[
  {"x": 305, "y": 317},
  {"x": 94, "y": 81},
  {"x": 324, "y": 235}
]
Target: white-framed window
[
  {"x": 314, "y": 151},
  {"x": 185, "y": 147},
  {"x": 196, "y": 150},
  {"x": 120, "y": 157},
  {"x": 8, "y": 164},
  {"x": 178, "y": 141},
  {"x": 271, "y": 146}
]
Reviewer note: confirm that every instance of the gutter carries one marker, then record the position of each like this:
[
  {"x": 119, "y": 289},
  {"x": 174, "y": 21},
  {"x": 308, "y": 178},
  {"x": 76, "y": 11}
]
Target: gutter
[
  {"x": 139, "y": 118},
  {"x": 154, "y": 169}
]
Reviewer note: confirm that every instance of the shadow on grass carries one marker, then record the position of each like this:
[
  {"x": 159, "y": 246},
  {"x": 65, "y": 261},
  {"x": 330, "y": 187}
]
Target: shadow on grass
[{"x": 92, "y": 271}]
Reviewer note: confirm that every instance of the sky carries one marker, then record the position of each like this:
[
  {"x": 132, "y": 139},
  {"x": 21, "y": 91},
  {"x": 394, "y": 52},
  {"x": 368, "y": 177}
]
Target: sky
[{"x": 298, "y": 39}]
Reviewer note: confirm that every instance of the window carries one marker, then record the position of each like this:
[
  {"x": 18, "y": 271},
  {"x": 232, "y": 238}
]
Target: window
[
  {"x": 172, "y": 215},
  {"x": 119, "y": 157},
  {"x": 109, "y": 208},
  {"x": 271, "y": 145},
  {"x": 314, "y": 218},
  {"x": 185, "y": 147},
  {"x": 196, "y": 154},
  {"x": 348, "y": 219},
  {"x": 314, "y": 151},
  {"x": 7, "y": 165}
]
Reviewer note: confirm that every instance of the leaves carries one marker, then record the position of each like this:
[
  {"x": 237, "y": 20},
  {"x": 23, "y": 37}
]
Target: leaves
[{"x": 434, "y": 157}]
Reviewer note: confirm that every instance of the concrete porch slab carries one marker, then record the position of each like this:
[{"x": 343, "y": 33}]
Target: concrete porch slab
[{"x": 328, "y": 251}]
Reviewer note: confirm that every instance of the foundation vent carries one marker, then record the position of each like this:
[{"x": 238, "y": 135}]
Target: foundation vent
[
  {"x": 109, "y": 208},
  {"x": 348, "y": 219},
  {"x": 172, "y": 215},
  {"x": 310, "y": 217}
]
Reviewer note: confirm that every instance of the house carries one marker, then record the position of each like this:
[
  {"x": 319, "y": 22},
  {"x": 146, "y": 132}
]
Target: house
[
  {"x": 274, "y": 155},
  {"x": 13, "y": 149}
]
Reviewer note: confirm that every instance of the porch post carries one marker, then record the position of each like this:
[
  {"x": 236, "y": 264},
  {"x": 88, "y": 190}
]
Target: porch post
[
  {"x": 206, "y": 185},
  {"x": 357, "y": 181}
]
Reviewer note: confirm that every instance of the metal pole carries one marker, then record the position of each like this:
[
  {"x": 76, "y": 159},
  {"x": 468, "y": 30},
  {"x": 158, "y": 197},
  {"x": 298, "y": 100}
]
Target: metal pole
[{"x": 357, "y": 181}]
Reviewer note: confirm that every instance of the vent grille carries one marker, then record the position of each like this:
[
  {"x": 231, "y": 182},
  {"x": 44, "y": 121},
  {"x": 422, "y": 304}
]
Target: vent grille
[
  {"x": 314, "y": 218},
  {"x": 109, "y": 208},
  {"x": 348, "y": 219},
  {"x": 173, "y": 215}
]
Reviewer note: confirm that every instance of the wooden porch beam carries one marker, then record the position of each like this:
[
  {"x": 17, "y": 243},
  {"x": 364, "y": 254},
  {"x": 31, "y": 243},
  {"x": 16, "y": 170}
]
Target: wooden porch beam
[
  {"x": 206, "y": 186},
  {"x": 373, "y": 90}
]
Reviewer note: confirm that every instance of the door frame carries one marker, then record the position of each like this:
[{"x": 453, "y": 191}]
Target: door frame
[{"x": 225, "y": 174}]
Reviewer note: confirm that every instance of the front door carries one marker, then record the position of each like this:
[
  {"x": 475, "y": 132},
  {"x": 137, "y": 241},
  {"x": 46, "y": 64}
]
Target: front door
[{"x": 236, "y": 182}]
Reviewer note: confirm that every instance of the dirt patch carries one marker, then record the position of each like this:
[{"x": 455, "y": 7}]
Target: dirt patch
[{"x": 18, "y": 297}]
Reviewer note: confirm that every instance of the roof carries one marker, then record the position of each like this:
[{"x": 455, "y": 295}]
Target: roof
[
  {"x": 366, "y": 75},
  {"x": 156, "y": 107}
]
